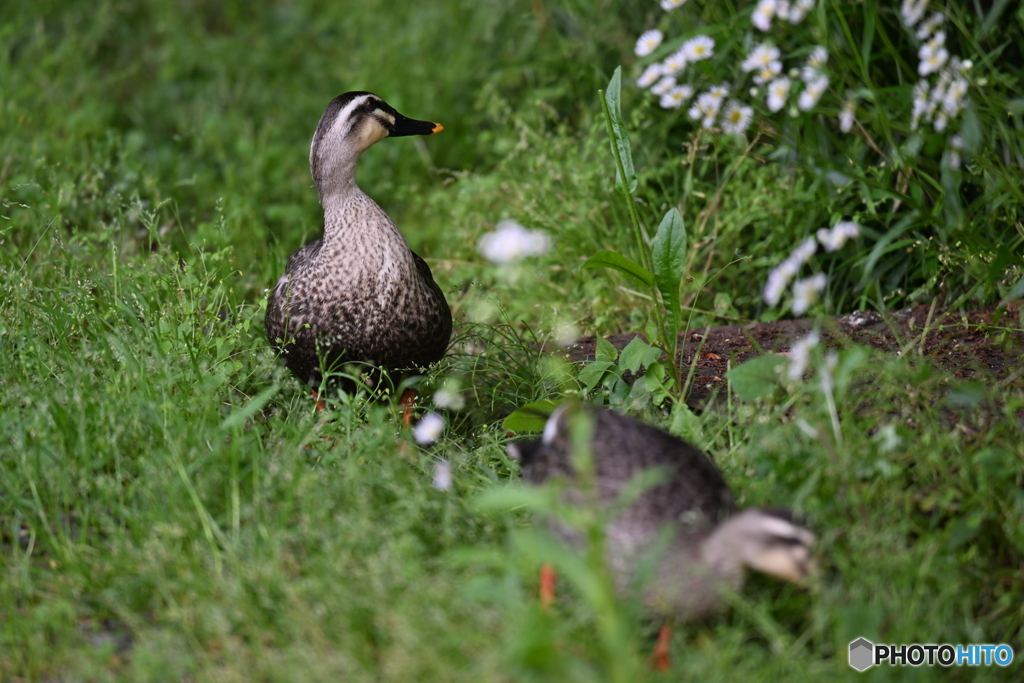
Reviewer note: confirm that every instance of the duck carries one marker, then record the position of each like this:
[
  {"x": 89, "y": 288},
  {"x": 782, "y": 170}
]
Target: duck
[
  {"x": 713, "y": 544},
  {"x": 359, "y": 294}
]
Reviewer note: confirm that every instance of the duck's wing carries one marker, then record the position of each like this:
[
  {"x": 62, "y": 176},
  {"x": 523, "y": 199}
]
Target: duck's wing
[{"x": 304, "y": 256}]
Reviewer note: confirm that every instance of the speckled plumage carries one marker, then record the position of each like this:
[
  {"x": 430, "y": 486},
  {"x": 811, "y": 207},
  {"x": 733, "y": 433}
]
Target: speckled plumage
[
  {"x": 359, "y": 294},
  {"x": 711, "y": 543}
]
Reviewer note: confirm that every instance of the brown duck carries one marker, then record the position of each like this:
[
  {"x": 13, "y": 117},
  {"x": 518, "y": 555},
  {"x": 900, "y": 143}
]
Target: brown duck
[
  {"x": 359, "y": 294},
  {"x": 712, "y": 545}
]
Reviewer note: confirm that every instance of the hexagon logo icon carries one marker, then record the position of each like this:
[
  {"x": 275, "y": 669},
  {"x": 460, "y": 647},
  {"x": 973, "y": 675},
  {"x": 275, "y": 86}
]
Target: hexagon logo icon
[{"x": 862, "y": 653}]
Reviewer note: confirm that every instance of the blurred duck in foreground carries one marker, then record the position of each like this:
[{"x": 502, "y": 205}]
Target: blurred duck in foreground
[{"x": 713, "y": 544}]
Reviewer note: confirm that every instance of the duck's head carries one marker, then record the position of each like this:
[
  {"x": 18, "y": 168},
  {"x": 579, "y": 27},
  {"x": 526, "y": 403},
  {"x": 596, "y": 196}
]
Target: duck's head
[
  {"x": 766, "y": 540},
  {"x": 350, "y": 124}
]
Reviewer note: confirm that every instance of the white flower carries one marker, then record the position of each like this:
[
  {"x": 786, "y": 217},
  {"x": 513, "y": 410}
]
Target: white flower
[
  {"x": 804, "y": 251},
  {"x": 940, "y": 122},
  {"x": 736, "y": 118},
  {"x": 429, "y": 429},
  {"x": 510, "y": 242},
  {"x": 835, "y": 238},
  {"x": 760, "y": 57},
  {"x": 763, "y": 13},
  {"x": 650, "y": 75},
  {"x": 698, "y": 48},
  {"x": 780, "y": 276},
  {"x": 448, "y": 396},
  {"x": 846, "y": 115},
  {"x": 675, "y": 97},
  {"x": 933, "y": 61},
  {"x": 708, "y": 104},
  {"x": 800, "y": 354},
  {"x": 674, "y": 63},
  {"x": 805, "y": 292},
  {"x": 442, "y": 475},
  {"x": 664, "y": 85},
  {"x": 953, "y": 100},
  {"x": 956, "y": 143},
  {"x": 812, "y": 93},
  {"x": 669, "y": 5},
  {"x": 818, "y": 57},
  {"x": 768, "y": 72},
  {"x": 920, "y": 103},
  {"x": 929, "y": 26},
  {"x": 648, "y": 42},
  {"x": 912, "y": 11},
  {"x": 778, "y": 92},
  {"x": 799, "y": 10}
]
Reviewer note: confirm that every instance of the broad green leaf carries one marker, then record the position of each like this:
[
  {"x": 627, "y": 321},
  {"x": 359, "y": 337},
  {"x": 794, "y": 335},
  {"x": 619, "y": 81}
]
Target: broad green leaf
[
  {"x": 632, "y": 356},
  {"x": 529, "y": 418},
  {"x": 620, "y": 141},
  {"x": 756, "y": 377},
  {"x": 611, "y": 259},
  {"x": 669, "y": 254},
  {"x": 605, "y": 350},
  {"x": 592, "y": 374}
]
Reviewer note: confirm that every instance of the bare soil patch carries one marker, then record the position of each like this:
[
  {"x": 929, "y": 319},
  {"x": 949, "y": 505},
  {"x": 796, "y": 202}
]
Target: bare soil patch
[{"x": 971, "y": 345}]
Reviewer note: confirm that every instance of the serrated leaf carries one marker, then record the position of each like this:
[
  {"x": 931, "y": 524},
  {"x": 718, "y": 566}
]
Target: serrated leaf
[
  {"x": 669, "y": 256},
  {"x": 756, "y": 377},
  {"x": 616, "y": 261},
  {"x": 613, "y": 98},
  {"x": 529, "y": 418}
]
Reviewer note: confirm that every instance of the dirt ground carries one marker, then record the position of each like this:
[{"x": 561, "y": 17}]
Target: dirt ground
[{"x": 975, "y": 344}]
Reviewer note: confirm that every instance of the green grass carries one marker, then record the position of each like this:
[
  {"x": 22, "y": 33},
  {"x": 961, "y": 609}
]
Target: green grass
[{"x": 172, "y": 507}]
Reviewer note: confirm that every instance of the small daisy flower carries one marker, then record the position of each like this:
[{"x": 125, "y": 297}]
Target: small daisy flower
[
  {"x": 664, "y": 85},
  {"x": 698, "y": 48},
  {"x": 940, "y": 122},
  {"x": 799, "y": 10},
  {"x": 953, "y": 101},
  {"x": 706, "y": 108},
  {"x": 928, "y": 27},
  {"x": 648, "y": 42},
  {"x": 428, "y": 430},
  {"x": 933, "y": 61},
  {"x": 510, "y": 242},
  {"x": 763, "y": 13},
  {"x": 669, "y": 5},
  {"x": 674, "y": 63},
  {"x": 800, "y": 355},
  {"x": 834, "y": 239},
  {"x": 768, "y": 73},
  {"x": 760, "y": 57},
  {"x": 846, "y": 115},
  {"x": 805, "y": 292},
  {"x": 956, "y": 143},
  {"x": 804, "y": 251},
  {"x": 736, "y": 118},
  {"x": 778, "y": 92},
  {"x": 675, "y": 97},
  {"x": 449, "y": 396},
  {"x": 650, "y": 76},
  {"x": 920, "y": 103},
  {"x": 912, "y": 11},
  {"x": 812, "y": 93},
  {"x": 816, "y": 61},
  {"x": 442, "y": 475}
]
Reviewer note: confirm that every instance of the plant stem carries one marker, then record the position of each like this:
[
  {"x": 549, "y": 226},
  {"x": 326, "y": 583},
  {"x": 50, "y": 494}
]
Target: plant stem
[{"x": 645, "y": 257}]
